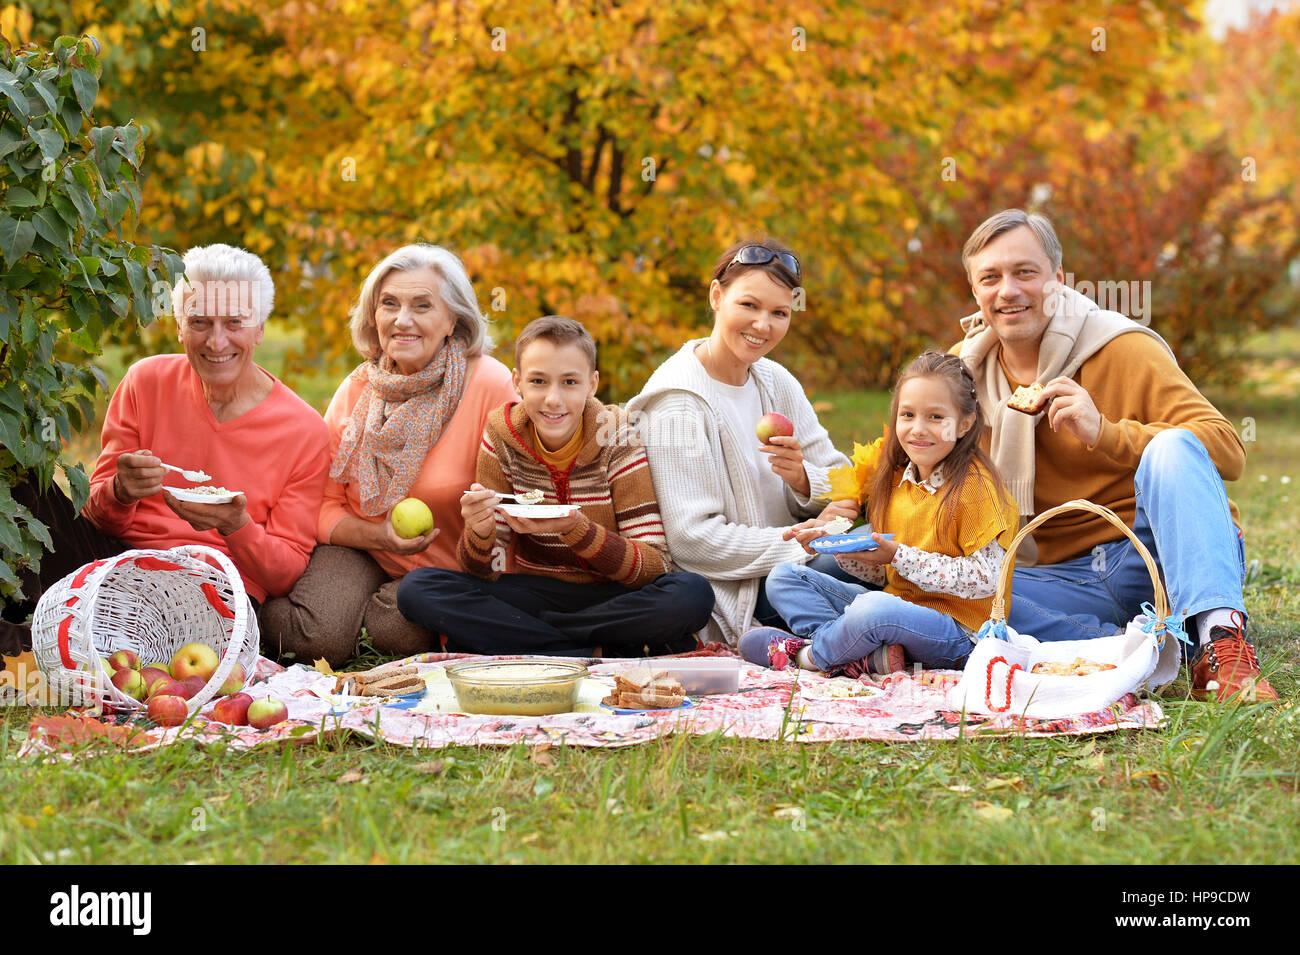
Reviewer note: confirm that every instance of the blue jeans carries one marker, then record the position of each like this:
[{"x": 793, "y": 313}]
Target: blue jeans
[
  {"x": 1183, "y": 519},
  {"x": 845, "y": 621}
]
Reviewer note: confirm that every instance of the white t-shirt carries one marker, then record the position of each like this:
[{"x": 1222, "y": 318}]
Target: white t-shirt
[{"x": 742, "y": 407}]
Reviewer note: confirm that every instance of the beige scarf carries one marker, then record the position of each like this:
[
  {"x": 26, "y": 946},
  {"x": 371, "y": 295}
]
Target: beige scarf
[
  {"x": 395, "y": 422},
  {"x": 1078, "y": 330}
]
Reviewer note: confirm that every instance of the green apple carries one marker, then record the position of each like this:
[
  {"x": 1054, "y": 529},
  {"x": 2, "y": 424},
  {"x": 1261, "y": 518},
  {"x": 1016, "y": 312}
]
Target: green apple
[
  {"x": 266, "y": 713},
  {"x": 412, "y": 518}
]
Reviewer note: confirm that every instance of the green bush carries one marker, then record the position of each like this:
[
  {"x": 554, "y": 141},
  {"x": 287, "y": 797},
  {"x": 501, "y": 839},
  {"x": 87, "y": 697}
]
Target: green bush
[{"x": 69, "y": 204}]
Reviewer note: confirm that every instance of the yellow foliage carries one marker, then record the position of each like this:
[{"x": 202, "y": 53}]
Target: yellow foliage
[{"x": 853, "y": 481}]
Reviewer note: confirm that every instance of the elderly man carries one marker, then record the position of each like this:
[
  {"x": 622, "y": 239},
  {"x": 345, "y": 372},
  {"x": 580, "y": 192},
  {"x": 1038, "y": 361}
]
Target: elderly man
[
  {"x": 212, "y": 409},
  {"x": 1123, "y": 427}
]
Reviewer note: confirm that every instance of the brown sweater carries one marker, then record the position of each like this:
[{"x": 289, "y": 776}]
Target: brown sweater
[
  {"x": 1140, "y": 391},
  {"x": 620, "y": 536}
]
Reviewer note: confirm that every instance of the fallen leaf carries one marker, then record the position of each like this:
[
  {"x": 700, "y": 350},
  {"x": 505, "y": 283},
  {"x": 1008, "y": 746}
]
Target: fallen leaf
[
  {"x": 351, "y": 776},
  {"x": 1003, "y": 783},
  {"x": 988, "y": 810},
  {"x": 541, "y": 757},
  {"x": 790, "y": 812},
  {"x": 433, "y": 768},
  {"x": 531, "y": 837},
  {"x": 962, "y": 788},
  {"x": 322, "y": 666}
]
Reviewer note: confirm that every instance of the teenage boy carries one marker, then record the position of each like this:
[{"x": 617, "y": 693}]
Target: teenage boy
[{"x": 595, "y": 581}]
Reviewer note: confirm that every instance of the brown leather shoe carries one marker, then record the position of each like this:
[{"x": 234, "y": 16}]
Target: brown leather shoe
[{"x": 1229, "y": 662}]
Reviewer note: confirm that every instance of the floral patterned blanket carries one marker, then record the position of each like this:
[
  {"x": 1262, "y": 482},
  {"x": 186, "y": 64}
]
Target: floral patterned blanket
[{"x": 789, "y": 706}]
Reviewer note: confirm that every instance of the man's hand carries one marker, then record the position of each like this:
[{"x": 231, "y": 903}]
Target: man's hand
[
  {"x": 139, "y": 475},
  {"x": 787, "y": 461},
  {"x": 225, "y": 519},
  {"x": 1072, "y": 408},
  {"x": 476, "y": 507}
]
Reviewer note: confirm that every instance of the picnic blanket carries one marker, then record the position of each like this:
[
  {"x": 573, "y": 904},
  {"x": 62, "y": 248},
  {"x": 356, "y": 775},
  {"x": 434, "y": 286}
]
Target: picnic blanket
[{"x": 791, "y": 706}]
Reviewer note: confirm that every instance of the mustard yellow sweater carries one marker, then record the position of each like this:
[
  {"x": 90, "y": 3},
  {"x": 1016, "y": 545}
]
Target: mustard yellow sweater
[{"x": 1140, "y": 391}]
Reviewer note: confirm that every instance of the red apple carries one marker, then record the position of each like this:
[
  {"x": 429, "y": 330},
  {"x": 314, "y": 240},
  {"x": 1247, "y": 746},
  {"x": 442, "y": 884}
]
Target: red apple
[
  {"x": 124, "y": 660},
  {"x": 131, "y": 683},
  {"x": 153, "y": 673},
  {"x": 169, "y": 687},
  {"x": 235, "y": 682},
  {"x": 194, "y": 659},
  {"x": 232, "y": 709},
  {"x": 266, "y": 713},
  {"x": 167, "y": 710},
  {"x": 195, "y": 684},
  {"x": 773, "y": 424}
]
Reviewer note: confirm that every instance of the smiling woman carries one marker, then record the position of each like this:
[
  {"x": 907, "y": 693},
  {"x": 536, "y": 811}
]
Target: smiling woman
[
  {"x": 727, "y": 497},
  {"x": 405, "y": 424}
]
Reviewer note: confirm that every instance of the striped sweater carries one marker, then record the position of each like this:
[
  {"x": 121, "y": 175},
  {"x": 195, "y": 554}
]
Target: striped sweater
[{"x": 621, "y": 536}]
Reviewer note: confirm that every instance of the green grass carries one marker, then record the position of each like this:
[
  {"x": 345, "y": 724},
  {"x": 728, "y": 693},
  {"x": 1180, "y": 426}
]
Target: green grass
[{"x": 1217, "y": 785}]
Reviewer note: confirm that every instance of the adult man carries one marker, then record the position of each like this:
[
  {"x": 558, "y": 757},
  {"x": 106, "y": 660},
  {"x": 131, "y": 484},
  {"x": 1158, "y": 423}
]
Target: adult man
[{"x": 1125, "y": 428}]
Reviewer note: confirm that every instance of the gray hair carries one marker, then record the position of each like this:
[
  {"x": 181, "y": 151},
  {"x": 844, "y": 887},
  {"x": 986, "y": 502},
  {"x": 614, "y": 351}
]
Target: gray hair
[
  {"x": 456, "y": 290},
  {"x": 1005, "y": 221},
  {"x": 222, "y": 276}
]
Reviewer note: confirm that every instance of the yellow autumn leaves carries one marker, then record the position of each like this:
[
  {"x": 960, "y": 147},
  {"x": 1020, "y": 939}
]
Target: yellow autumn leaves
[{"x": 853, "y": 481}]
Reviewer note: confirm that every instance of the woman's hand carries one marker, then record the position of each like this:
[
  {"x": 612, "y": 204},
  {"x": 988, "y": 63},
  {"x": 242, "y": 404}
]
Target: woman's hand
[
  {"x": 476, "y": 508},
  {"x": 787, "y": 461},
  {"x": 139, "y": 475},
  {"x": 805, "y": 533},
  {"x": 225, "y": 519},
  {"x": 845, "y": 508},
  {"x": 386, "y": 538}
]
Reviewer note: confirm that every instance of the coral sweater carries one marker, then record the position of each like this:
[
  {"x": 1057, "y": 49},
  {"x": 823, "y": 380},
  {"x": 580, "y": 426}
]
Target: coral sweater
[
  {"x": 447, "y": 473},
  {"x": 277, "y": 454}
]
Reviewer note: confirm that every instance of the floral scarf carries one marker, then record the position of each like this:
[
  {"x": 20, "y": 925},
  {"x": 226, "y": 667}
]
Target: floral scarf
[{"x": 397, "y": 419}]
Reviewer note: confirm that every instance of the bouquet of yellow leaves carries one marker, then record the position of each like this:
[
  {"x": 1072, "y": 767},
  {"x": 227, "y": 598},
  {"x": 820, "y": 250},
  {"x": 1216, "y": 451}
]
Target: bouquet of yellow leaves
[{"x": 853, "y": 481}]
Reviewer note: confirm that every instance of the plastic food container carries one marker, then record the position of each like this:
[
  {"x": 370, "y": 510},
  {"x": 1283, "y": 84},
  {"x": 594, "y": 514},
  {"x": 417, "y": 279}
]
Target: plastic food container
[
  {"x": 700, "y": 676},
  {"x": 516, "y": 687}
]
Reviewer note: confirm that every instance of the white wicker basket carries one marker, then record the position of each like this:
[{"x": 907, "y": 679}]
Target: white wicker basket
[{"x": 151, "y": 602}]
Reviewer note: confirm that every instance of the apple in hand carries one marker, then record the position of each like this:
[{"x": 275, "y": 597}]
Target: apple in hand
[
  {"x": 124, "y": 660},
  {"x": 264, "y": 714},
  {"x": 235, "y": 682},
  {"x": 194, "y": 659},
  {"x": 168, "y": 710},
  {"x": 773, "y": 424},
  {"x": 412, "y": 518},
  {"x": 232, "y": 709},
  {"x": 131, "y": 683}
]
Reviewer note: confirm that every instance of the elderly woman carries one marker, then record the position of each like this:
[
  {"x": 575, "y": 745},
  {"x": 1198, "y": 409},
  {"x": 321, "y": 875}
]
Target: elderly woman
[
  {"x": 406, "y": 423},
  {"x": 212, "y": 409},
  {"x": 728, "y": 498}
]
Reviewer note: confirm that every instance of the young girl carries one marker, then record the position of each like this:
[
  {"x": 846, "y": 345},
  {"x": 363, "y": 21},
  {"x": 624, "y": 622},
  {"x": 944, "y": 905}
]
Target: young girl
[{"x": 926, "y": 591}]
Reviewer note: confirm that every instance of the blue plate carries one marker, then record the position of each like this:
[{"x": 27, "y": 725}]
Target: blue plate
[
  {"x": 846, "y": 543},
  {"x": 686, "y": 705}
]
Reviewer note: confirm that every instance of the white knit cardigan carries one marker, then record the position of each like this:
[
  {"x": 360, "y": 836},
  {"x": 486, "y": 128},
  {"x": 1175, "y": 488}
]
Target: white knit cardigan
[{"x": 709, "y": 503}]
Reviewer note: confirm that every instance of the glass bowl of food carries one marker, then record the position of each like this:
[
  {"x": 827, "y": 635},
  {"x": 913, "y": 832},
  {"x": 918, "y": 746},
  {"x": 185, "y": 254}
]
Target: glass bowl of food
[{"x": 516, "y": 687}]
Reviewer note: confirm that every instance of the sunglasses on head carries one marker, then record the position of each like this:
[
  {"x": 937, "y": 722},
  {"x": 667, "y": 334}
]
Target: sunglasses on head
[{"x": 761, "y": 255}]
